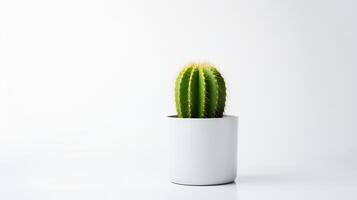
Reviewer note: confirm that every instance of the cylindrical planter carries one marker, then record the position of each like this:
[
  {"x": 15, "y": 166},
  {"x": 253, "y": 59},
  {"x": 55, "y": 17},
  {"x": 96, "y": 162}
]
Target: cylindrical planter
[{"x": 203, "y": 150}]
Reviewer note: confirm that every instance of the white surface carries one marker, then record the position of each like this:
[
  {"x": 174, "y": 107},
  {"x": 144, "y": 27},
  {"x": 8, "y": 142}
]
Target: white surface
[
  {"x": 85, "y": 87},
  {"x": 203, "y": 151}
]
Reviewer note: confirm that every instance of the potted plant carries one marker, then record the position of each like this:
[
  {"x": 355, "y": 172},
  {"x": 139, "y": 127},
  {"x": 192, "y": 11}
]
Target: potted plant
[{"x": 203, "y": 141}]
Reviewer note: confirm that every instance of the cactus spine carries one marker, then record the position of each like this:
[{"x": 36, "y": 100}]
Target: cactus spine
[{"x": 200, "y": 92}]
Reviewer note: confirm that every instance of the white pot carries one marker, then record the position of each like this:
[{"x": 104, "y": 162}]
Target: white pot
[{"x": 203, "y": 150}]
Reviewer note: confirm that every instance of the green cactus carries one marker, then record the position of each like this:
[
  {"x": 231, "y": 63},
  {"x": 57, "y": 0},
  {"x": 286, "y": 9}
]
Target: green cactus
[{"x": 200, "y": 92}]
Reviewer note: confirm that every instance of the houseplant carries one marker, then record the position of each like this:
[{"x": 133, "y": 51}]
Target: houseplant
[{"x": 203, "y": 141}]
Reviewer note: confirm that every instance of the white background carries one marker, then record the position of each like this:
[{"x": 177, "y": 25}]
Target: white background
[{"x": 85, "y": 87}]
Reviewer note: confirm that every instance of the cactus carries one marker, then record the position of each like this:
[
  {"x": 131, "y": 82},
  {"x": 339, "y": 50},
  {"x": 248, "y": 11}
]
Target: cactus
[{"x": 200, "y": 92}]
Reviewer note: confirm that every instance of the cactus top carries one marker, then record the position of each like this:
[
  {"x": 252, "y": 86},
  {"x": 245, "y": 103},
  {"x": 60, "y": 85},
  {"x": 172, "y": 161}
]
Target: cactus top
[{"x": 200, "y": 92}]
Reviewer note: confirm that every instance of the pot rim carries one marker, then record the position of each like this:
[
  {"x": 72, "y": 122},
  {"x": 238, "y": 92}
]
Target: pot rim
[{"x": 174, "y": 117}]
